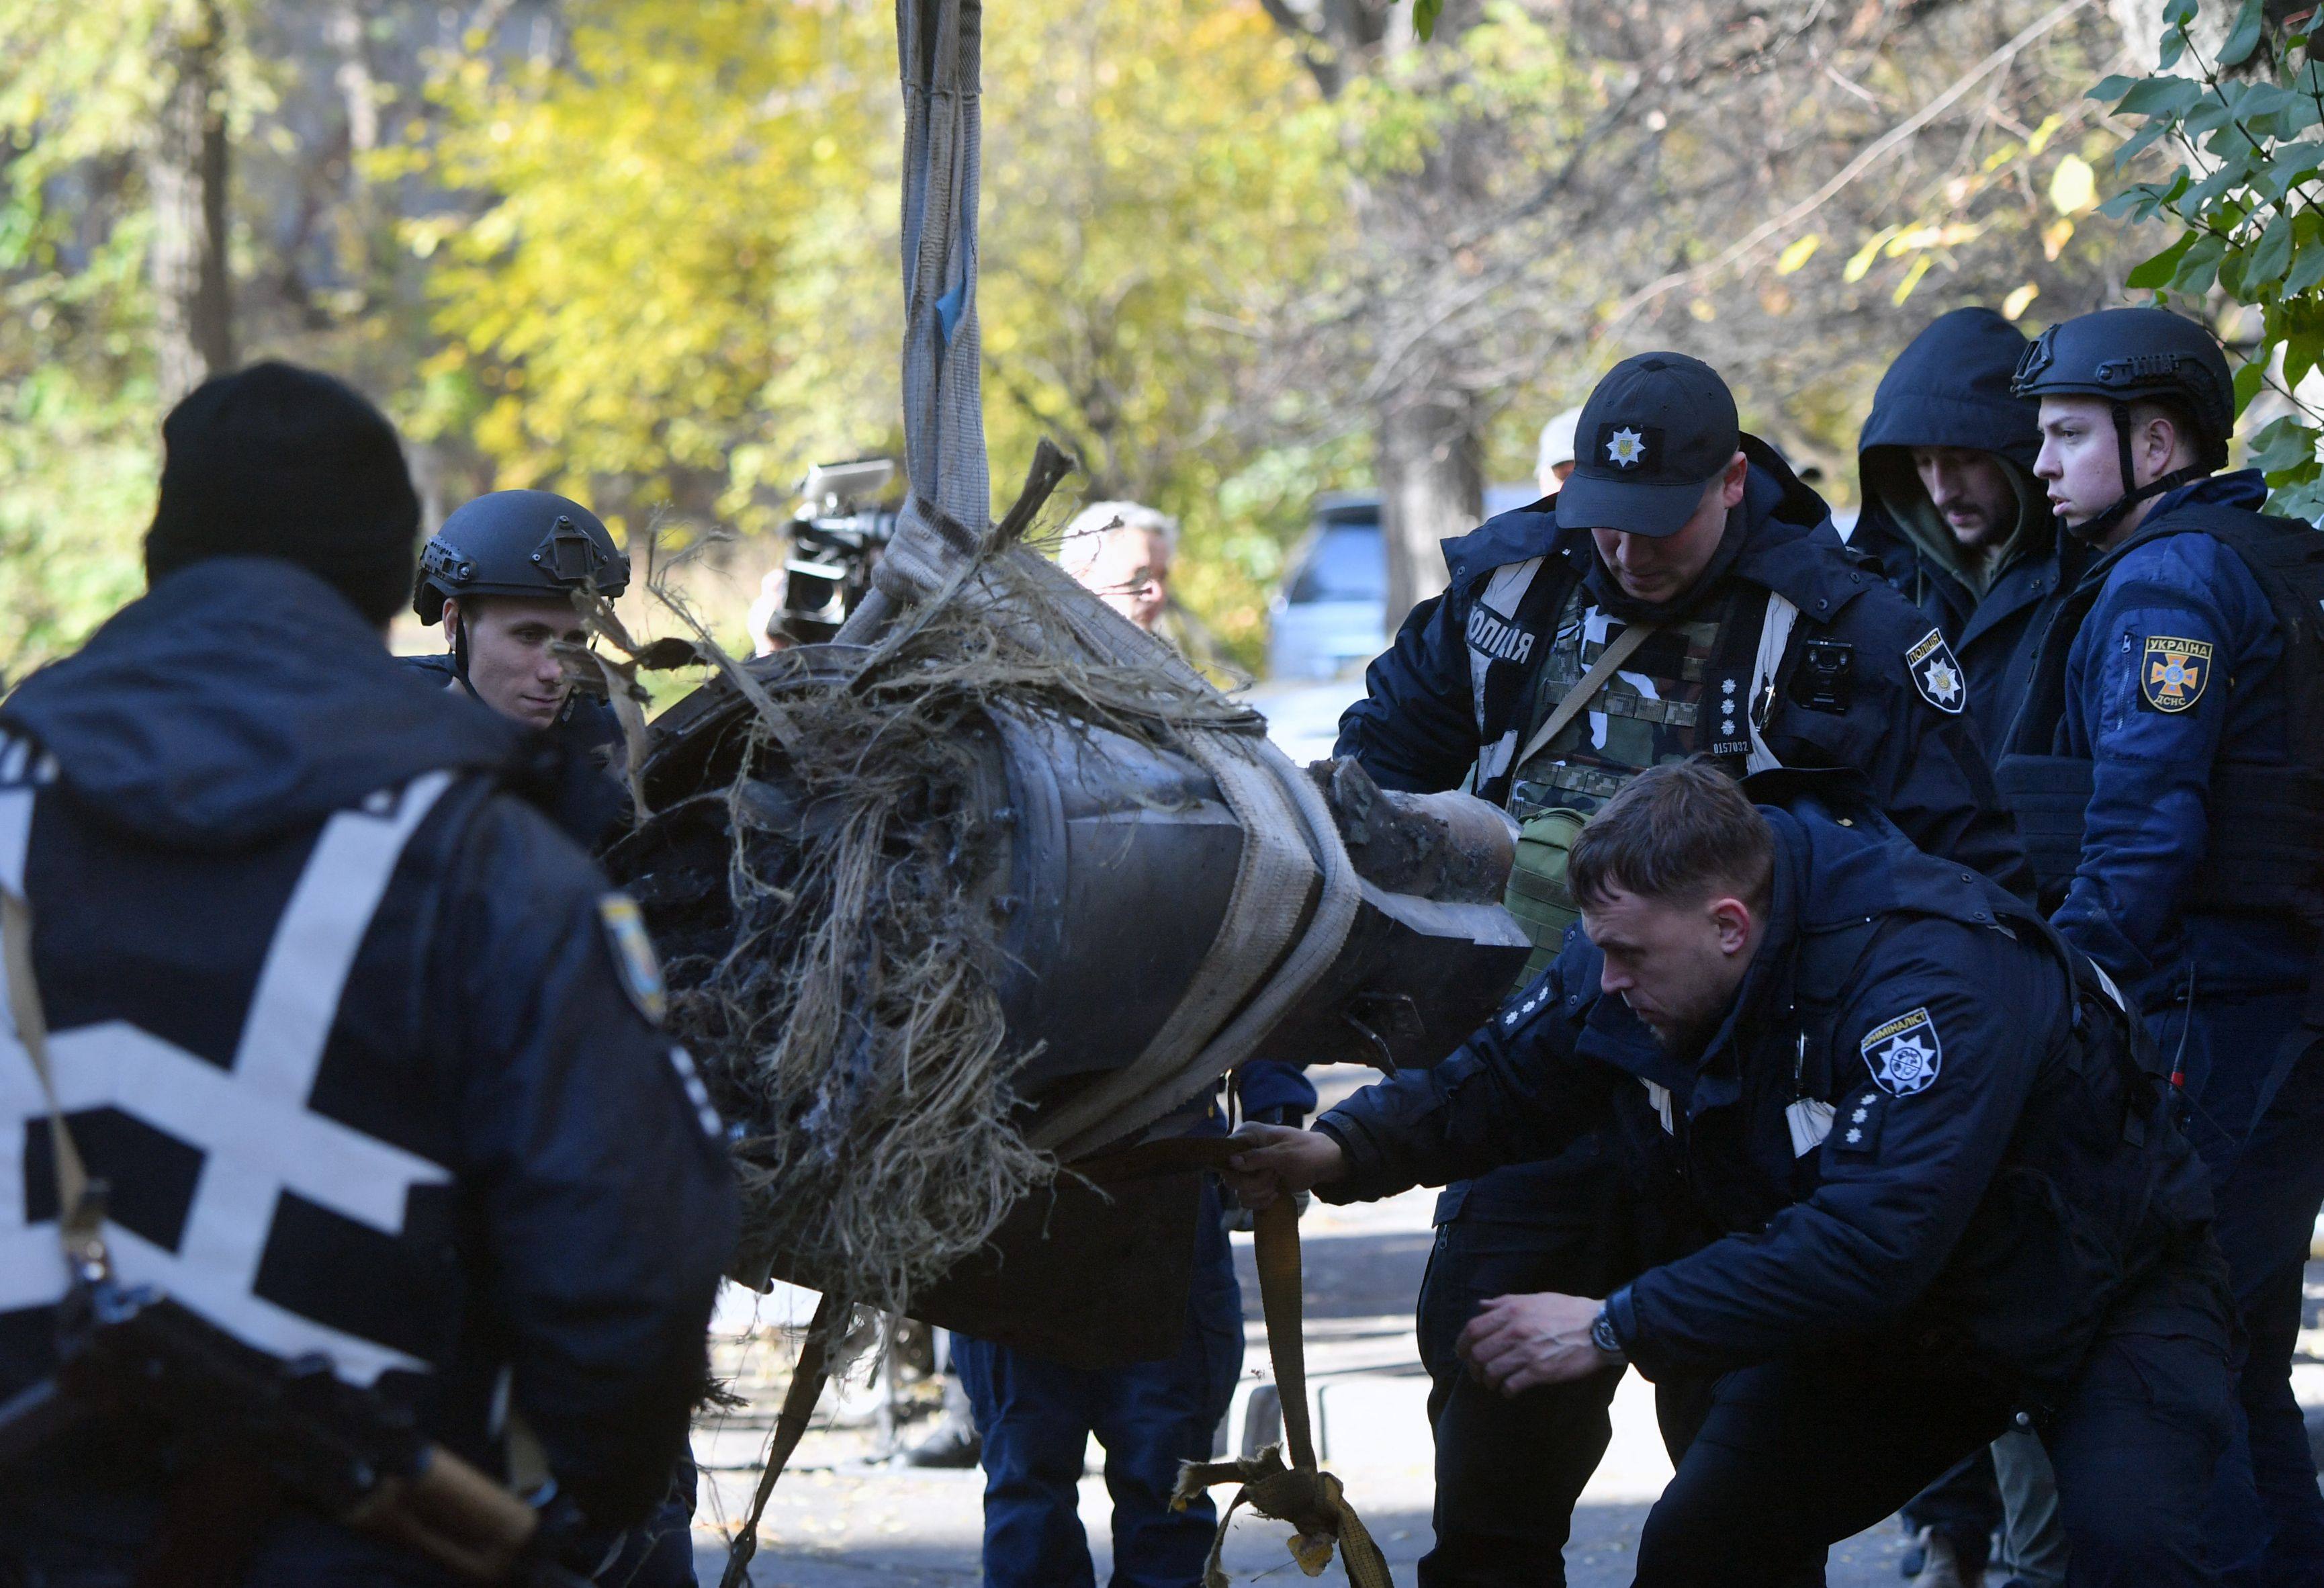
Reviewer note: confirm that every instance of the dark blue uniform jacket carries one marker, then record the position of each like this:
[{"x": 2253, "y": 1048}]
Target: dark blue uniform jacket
[
  {"x": 1432, "y": 703},
  {"x": 1975, "y": 1194},
  {"x": 1950, "y": 388},
  {"x": 202, "y": 736},
  {"x": 2188, "y": 598}
]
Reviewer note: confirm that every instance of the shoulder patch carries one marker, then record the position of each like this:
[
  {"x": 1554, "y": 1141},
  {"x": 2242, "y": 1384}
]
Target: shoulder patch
[
  {"x": 2174, "y": 672},
  {"x": 633, "y": 954},
  {"x": 1935, "y": 674},
  {"x": 1903, "y": 1054}
]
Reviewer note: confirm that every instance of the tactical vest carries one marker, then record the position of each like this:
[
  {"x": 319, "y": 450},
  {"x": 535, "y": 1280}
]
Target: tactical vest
[
  {"x": 232, "y": 1037},
  {"x": 2266, "y": 843},
  {"x": 1701, "y": 686}
]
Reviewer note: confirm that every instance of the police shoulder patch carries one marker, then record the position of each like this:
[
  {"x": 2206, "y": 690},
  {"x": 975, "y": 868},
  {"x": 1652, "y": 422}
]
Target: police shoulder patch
[
  {"x": 1935, "y": 674},
  {"x": 633, "y": 954},
  {"x": 2172, "y": 673},
  {"x": 1903, "y": 1054}
]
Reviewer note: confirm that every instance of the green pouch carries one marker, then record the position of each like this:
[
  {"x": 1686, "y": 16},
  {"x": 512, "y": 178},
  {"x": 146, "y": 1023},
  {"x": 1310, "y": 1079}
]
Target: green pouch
[{"x": 1538, "y": 894}]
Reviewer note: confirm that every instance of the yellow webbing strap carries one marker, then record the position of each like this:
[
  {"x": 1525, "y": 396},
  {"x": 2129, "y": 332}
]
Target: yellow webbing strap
[{"x": 1310, "y": 1499}]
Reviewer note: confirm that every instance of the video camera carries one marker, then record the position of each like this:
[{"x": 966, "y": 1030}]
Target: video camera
[{"x": 836, "y": 537}]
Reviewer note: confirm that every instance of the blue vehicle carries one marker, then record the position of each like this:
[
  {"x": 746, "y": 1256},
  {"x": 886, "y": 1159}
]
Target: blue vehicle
[
  {"x": 1332, "y": 612},
  {"x": 1331, "y": 615}
]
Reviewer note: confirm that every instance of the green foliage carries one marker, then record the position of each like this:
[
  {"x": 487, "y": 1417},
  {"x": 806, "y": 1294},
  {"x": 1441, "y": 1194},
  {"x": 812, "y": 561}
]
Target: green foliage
[
  {"x": 2237, "y": 135},
  {"x": 79, "y": 419}
]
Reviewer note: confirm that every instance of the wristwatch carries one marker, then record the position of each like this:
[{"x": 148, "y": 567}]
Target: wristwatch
[{"x": 1602, "y": 1335}]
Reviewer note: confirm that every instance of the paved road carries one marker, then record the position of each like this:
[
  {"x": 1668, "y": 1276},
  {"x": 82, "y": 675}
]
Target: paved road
[{"x": 838, "y": 1521}]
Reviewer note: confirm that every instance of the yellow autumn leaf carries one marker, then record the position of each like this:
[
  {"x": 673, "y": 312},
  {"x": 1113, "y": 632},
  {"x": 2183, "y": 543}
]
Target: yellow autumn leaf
[
  {"x": 1912, "y": 280},
  {"x": 2073, "y": 186},
  {"x": 1798, "y": 253},
  {"x": 2019, "y": 300}
]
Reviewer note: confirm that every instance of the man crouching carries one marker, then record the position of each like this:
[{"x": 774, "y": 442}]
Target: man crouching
[{"x": 1934, "y": 1176}]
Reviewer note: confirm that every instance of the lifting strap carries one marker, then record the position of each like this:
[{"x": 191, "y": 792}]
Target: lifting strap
[
  {"x": 1301, "y": 1493},
  {"x": 808, "y": 1376}
]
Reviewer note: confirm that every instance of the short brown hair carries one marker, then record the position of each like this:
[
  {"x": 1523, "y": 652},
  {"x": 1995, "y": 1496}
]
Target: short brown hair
[
  {"x": 1680, "y": 832},
  {"x": 2185, "y": 427}
]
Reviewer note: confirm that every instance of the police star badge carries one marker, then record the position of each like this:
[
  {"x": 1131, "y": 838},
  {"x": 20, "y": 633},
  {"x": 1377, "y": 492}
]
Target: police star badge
[
  {"x": 2172, "y": 673},
  {"x": 1627, "y": 448},
  {"x": 633, "y": 954},
  {"x": 1903, "y": 1054},
  {"x": 1935, "y": 674}
]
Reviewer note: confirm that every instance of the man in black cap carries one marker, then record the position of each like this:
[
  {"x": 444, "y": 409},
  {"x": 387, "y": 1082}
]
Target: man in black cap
[
  {"x": 363, "y": 1049},
  {"x": 1683, "y": 594}
]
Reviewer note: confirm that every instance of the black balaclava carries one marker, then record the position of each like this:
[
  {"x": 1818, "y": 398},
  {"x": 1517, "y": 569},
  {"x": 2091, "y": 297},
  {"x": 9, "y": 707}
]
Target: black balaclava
[{"x": 278, "y": 461}]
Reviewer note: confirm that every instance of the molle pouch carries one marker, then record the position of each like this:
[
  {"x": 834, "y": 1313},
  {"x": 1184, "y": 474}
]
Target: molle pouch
[{"x": 1538, "y": 894}]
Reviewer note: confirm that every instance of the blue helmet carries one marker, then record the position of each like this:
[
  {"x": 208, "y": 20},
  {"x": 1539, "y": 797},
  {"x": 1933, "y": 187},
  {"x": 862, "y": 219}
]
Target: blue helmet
[{"x": 526, "y": 543}]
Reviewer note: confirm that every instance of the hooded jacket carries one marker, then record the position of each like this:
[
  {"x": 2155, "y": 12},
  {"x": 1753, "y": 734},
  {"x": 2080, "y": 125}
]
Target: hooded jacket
[
  {"x": 1950, "y": 388},
  {"x": 1906, "y": 1134},
  {"x": 574, "y": 1209}
]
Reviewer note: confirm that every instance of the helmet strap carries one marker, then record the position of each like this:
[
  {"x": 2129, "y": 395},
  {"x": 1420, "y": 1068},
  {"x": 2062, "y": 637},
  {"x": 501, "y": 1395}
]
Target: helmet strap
[
  {"x": 2099, "y": 526},
  {"x": 460, "y": 655}
]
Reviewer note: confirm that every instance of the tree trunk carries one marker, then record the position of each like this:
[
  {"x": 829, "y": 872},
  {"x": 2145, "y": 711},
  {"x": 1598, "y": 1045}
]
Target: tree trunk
[
  {"x": 1432, "y": 488},
  {"x": 187, "y": 171}
]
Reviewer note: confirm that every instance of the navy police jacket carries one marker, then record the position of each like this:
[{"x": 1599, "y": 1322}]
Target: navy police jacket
[
  {"x": 1448, "y": 696},
  {"x": 2176, "y": 674},
  {"x": 1950, "y": 388},
  {"x": 364, "y": 1045},
  {"x": 1923, "y": 1117}
]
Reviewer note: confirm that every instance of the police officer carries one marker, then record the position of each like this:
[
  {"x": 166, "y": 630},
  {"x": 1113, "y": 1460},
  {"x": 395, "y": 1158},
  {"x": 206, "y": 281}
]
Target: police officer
[
  {"x": 1952, "y": 509},
  {"x": 1753, "y": 635},
  {"x": 500, "y": 577},
  {"x": 1942, "y": 1187},
  {"x": 2169, "y": 766},
  {"x": 1964, "y": 531},
  {"x": 364, "y": 1047}
]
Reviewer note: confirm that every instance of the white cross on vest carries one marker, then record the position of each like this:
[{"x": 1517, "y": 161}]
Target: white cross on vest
[{"x": 257, "y": 1137}]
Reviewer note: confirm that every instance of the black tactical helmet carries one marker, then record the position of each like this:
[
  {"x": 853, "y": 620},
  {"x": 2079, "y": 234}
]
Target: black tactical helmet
[
  {"x": 529, "y": 543},
  {"x": 2126, "y": 356}
]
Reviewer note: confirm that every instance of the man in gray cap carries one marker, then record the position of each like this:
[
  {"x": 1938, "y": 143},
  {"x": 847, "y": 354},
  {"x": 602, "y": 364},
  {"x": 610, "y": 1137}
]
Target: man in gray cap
[{"x": 1683, "y": 594}]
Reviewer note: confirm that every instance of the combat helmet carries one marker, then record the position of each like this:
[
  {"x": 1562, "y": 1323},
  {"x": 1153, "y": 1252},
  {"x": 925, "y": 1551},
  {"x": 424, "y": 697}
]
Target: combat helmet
[
  {"x": 533, "y": 544},
  {"x": 2126, "y": 356},
  {"x": 530, "y": 544}
]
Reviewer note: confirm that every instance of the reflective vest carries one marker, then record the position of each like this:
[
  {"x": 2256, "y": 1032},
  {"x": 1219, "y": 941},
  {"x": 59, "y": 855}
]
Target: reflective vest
[{"x": 233, "y": 1041}]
